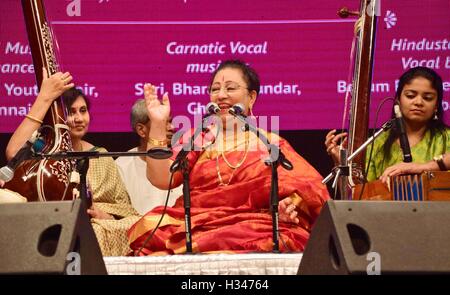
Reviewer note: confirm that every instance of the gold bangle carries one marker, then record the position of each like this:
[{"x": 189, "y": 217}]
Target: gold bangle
[
  {"x": 34, "y": 119},
  {"x": 155, "y": 142}
]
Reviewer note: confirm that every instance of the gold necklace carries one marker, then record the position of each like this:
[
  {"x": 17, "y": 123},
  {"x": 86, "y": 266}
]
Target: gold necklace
[
  {"x": 239, "y": 164},
  {"x": 233, "y": 167},
  {"x": 219, "y": 176}
]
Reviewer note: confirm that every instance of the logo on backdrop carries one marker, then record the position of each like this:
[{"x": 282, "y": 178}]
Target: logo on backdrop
[{"x": 390, "y": 19}]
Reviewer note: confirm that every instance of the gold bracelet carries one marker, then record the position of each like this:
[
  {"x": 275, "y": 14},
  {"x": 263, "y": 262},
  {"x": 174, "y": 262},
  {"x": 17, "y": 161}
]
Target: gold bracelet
[
  {"x": 34, "y": 119},
  {"x": 155, "y": 142}
]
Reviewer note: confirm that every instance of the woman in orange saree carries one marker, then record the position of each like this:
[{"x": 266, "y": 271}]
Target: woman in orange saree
[{"x": 229, "y": 181}]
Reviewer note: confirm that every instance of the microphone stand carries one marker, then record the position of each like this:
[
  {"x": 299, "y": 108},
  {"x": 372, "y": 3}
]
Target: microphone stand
[
  {"x": 181, "y": 164},
  {"x": 85, "y": 195},
  {"x": 82, "y": 165},
  {"x": 275, "y": 159},
  {"x": 343, "y": 169}
]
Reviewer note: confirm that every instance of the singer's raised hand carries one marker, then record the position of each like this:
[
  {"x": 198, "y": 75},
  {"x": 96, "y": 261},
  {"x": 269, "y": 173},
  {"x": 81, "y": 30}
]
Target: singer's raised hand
[
  {"x": 159, "y": 114},
  {"x": 158, "y": 111},
  {"x": 54, "y": 86},
  {"x": 332, "y": 144}
]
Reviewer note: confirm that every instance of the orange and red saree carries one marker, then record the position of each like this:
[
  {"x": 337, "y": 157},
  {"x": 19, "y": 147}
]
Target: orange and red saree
[{"x": 234, "y": 218}]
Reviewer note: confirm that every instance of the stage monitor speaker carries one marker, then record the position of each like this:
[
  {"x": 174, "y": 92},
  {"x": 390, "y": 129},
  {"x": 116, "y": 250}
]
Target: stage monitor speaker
[
  {"x": 48, "y": 238},
  {"x": 379, "y": 237}
]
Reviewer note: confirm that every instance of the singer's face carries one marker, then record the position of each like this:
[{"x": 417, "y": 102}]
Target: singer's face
[
  {"x": 418, "y": 101},
  {"x": 78, "y": 118},
  {"x": 229, "y": 88}
]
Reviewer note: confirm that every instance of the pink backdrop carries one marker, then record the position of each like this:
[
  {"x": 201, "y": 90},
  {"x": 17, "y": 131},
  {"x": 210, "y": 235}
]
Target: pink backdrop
[{"x": 300, "y": 49}]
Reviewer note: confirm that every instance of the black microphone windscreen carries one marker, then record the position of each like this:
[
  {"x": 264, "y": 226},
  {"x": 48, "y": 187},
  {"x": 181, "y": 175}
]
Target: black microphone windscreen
[
  {"x": 403, "y": 137},
  {"x": 237, "y": 109},
  {"x": 212, "y": 108}
]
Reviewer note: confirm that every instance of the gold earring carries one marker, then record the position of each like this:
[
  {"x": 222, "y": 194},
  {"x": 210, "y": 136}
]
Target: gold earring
[{"x": 435, "y": 116}]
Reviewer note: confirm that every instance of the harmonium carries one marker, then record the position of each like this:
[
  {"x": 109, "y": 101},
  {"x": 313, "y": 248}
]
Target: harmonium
[{"x": 427, "y": 186}]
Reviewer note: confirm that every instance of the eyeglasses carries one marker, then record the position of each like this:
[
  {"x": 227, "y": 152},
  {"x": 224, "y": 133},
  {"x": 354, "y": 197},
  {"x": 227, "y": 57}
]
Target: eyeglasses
[{"x": 229, "y": 89}]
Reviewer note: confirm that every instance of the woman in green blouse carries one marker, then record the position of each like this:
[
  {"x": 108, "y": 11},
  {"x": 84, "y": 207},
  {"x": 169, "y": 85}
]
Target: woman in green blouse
[{"x": 419, "y": 95}]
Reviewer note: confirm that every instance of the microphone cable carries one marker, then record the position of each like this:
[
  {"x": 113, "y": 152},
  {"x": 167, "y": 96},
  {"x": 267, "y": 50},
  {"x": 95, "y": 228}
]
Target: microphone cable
[
  {"x": 160, "y": 219},
  {"x": 366, "y": 169},
  {"x": 163, "y": 213}
]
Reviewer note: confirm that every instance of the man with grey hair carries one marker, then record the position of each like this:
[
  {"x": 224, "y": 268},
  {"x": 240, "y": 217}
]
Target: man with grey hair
[{"x": 144, "y": 196}]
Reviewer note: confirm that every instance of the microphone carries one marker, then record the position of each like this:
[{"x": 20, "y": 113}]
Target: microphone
[
  {"x": 181, "y": 164},
  {"x": 404, "y": 143},
  {"x": 32, "y": 144},
  {"x": 276, "y": 158},
  {"x": 212, "y": 108},
  {"x": 237, "y": 110},
  {"x": 159, "y": 153}
]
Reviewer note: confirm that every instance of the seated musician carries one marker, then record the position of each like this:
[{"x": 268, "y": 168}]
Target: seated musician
[
  {"x": 144, "y": 196},
  {"x": 229, "y": 182},
  {"x": 419, "y": 96},
  {"x": 111, "y": 212}
]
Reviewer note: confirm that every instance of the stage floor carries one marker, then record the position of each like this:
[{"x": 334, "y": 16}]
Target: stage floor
[{"x": 206, "y": 264}]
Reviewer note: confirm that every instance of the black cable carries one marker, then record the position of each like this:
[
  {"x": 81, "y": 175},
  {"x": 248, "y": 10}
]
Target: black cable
[
  {"x": 165, "y": 206},
  {"x": 366, "y": 170},
  {"x": 160, "y": 219},
  {"x": 288, "y": 249}
]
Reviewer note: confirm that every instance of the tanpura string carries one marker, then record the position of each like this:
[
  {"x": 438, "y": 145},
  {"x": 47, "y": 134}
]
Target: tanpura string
[{"x": 349, "y": 80}]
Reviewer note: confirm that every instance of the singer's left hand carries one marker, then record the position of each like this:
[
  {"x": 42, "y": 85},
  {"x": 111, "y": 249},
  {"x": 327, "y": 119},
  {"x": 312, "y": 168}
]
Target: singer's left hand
[
  {"x": 287, "y": 211},
  {"x": 2, "y": 183},
  {"x": 405, "y": 168},
  {"x": 94, "y": 212}
]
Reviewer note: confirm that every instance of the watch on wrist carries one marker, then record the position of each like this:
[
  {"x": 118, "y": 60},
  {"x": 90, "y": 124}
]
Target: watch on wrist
[{"x": 440, "y": 161}]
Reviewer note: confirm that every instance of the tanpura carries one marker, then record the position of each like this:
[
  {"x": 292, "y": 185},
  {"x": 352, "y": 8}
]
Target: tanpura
[{"x": 46, "y": 179}]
